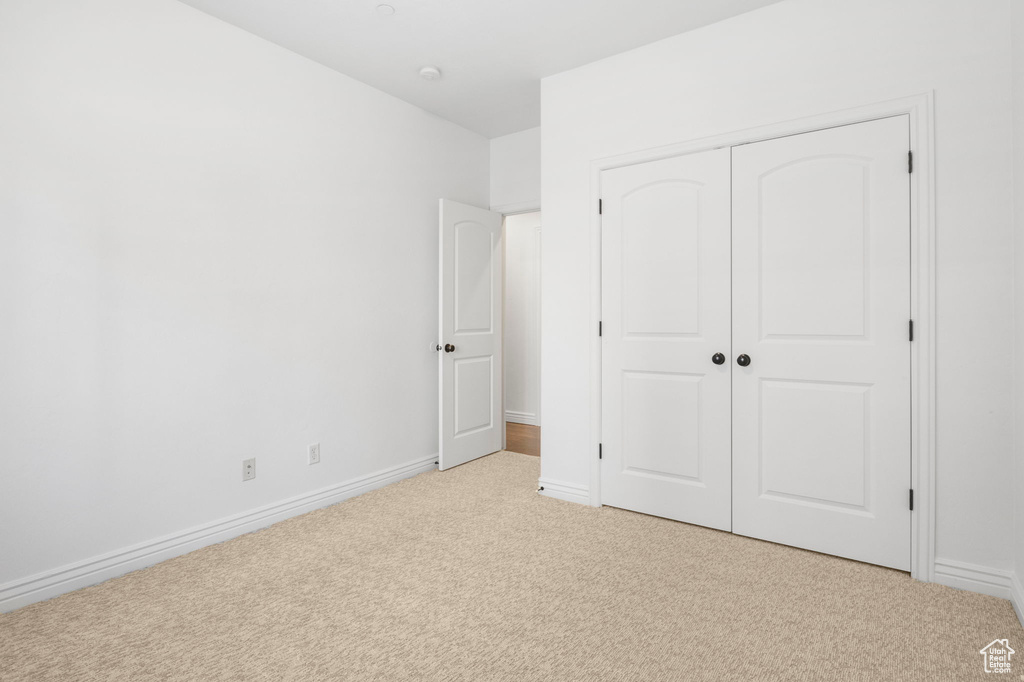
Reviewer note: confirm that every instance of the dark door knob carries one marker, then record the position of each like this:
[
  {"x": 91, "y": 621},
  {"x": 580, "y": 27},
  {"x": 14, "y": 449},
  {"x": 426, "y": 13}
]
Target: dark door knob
[
  {"x": 743, "y": 360},
  {"x": 718, "y": 359},
  {"x": 448, "y": 348}
]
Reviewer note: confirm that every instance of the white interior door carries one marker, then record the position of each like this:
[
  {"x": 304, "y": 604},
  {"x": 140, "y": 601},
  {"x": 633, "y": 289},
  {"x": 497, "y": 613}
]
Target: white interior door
[
  {"x": 821, "y": 303},
  {"x": 470, "y": 367},
  {"x": 665, "y": 315}
]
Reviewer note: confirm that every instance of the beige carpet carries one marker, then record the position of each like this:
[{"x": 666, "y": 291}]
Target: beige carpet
[{"x": 470, "y": 575}]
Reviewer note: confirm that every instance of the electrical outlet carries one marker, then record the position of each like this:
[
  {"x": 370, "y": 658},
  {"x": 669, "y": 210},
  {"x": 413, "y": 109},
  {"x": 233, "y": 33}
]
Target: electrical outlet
[
  {"x": 314, "y": 453},
  {"x": 249, "y": 469}
]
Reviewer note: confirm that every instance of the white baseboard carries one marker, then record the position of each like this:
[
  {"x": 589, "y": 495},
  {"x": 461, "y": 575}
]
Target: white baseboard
[
  {"x": 49, "y": 584},
  {"x": 560, "y": 490},
  {"x": 1017, "y": 596},
  {"x": 522, "y": 417},
  {"x": 974, "y": 578}
]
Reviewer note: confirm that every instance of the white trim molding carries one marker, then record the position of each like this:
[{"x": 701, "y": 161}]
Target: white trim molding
[
  {"x": 995, "y": 582},
  {"x": 1017, "y": 596},
  {"x": 522, "y": 417},
  {"x": 70, "y": 577},
  {"x": 561, "y": 490},
  {"x": 513, "y": 209},
  {"x": 920, "y": 109}
]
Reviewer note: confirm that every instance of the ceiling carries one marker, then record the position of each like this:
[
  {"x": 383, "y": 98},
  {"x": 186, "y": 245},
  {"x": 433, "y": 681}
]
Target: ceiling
[{"x": 491, "y": 53}]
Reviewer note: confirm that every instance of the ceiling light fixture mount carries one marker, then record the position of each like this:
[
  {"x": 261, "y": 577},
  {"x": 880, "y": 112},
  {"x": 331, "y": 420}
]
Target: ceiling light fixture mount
[
  {"x": 430, "y": 73},
  {"x": 385, "y": 10}
]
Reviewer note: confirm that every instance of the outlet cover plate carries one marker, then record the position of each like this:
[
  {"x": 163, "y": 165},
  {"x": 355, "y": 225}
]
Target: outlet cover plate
[{"x": 249, "y": 469}]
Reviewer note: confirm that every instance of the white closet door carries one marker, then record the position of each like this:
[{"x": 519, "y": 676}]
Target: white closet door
[
  {"x": 821, "y": 301},
  {"x": 665, "y": 300}
]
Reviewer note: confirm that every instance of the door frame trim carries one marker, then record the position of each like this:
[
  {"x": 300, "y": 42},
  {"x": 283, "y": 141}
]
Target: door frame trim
[{"x": 920, "y": 109}]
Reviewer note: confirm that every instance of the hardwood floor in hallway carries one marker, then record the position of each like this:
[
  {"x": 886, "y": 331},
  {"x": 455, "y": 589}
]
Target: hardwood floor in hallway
[{"x": 522, "y": 438}]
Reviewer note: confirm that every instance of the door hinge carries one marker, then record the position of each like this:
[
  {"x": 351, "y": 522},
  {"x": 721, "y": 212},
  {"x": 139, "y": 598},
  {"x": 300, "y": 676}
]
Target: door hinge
[
  {"x": 911, "y": 330},
  {"x": 911, "y": 499},
  {"x": 600, "y": 206},
  {"x": 600, "y": 451},
  {"x": 910, "y": 162},
  {"x": 600, "y": 328}
]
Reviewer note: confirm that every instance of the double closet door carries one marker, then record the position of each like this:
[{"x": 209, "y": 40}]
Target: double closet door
[{"x": 755, "y": 347}]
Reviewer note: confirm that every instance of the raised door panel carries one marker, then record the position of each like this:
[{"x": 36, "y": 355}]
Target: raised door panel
[
  {"x": 661, "y": 259},
  {"x": 803, "y": 423},
  {"x": 813, "y": 249},
  {"x": 473, "y": 278},
  {"x": 661, "y": 425},
  {"x": 474, "y": 388}
]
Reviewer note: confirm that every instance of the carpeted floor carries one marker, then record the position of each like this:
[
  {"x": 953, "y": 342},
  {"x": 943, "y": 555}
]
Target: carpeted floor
[{"x": 471, "y": 575}]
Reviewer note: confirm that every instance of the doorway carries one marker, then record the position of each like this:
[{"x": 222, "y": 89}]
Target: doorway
[
  {"x": 474, "y": 418},
  {"x": 522, "y": 333}
]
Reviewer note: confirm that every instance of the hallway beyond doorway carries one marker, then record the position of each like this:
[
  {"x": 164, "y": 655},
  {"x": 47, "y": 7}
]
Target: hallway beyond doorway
[{"x": 522, "y": 438}]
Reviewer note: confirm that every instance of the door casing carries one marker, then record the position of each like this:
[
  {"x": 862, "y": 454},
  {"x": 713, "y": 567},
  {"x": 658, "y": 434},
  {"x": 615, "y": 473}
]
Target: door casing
[{"x": 920, "y": 109}]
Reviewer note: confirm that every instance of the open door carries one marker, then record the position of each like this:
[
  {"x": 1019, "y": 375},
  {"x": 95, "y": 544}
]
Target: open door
[{"x": 470, "y": 327}]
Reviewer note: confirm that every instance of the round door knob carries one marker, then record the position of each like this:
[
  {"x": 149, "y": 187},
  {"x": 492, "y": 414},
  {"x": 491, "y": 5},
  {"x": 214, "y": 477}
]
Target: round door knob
[
  {"x": 448, "y": 348},
  {"x": 743, "y": 360},
  {"x": 718, "y": 359}
]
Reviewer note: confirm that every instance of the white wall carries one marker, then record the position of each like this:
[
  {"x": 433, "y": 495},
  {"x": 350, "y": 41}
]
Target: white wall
[
  {"x": 787, "y": 61},
  {"x": 210, "y": 249},
  {"x": 515, "y": 171},
  {"x": 1018, "y": 175},
  {"x": 522, "y": 318}
]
